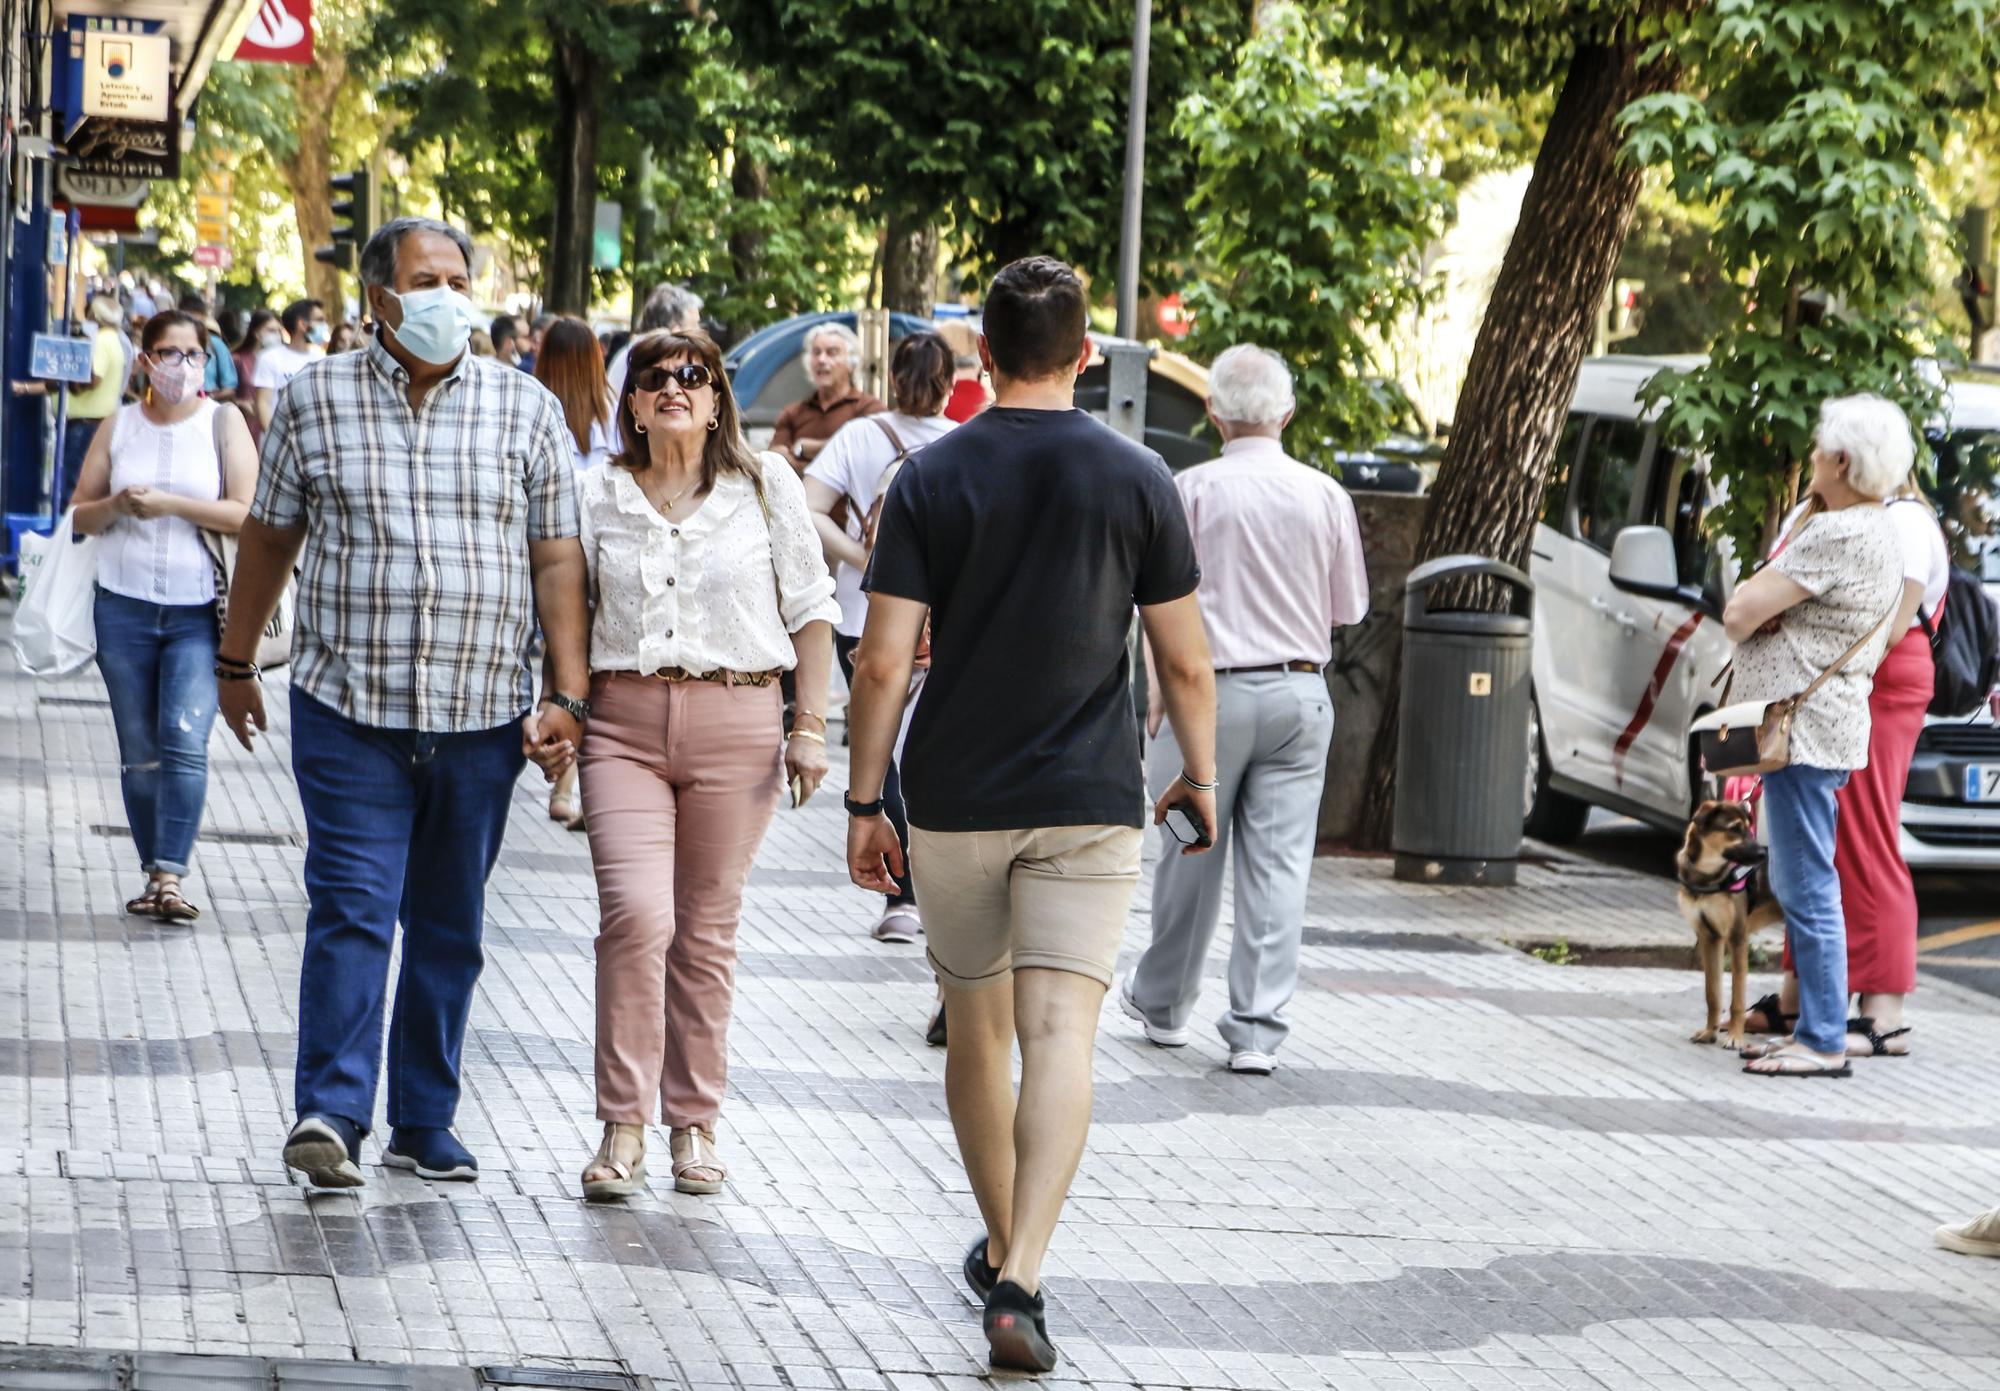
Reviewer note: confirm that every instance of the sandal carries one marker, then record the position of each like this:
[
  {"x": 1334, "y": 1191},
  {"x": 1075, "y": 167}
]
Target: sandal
[
  {"x": 1776, "y": 1021},
  {"x": 1799, "y": 1063},
  {"x": 1878, "y": 1044},
  {"x": 169, "y": 906},
  {"x": 146, "y": 905},
  {"x": 626, "y": 1179},
  {"x": 694, "y": 1157}
]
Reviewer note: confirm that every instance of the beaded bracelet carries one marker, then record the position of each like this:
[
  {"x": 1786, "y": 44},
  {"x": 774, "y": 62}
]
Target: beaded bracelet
[{"x": 225, "y": 674}]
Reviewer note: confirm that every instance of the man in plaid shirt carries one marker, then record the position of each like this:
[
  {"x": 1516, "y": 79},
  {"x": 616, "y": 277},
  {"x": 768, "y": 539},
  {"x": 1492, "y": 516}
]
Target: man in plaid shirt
[{"x": 431, "y": 492}]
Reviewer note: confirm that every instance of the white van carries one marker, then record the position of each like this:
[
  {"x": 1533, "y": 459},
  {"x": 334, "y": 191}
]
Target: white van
[{"x": 1622, "y": 668}]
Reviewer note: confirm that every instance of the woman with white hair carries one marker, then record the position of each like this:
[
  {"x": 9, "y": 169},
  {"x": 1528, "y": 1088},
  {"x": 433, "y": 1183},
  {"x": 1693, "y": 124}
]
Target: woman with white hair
[
  {"x": 1837, "y": 582},
  {"x": 832, "y": 356}
]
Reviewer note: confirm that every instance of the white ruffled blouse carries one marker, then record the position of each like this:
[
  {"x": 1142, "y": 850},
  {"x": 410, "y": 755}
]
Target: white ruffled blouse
[{"x": 723, "y": 589}]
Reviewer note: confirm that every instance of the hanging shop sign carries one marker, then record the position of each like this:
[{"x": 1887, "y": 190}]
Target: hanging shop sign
[
  {"x": 127, "y": 75},
  {"x": 281, "y": 32}
]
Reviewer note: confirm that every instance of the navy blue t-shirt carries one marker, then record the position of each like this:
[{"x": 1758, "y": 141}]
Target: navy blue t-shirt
[{"x": 1031, "y": 534}]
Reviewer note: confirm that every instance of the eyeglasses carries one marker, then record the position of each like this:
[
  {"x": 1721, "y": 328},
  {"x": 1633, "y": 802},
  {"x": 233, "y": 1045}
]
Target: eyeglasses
[
  {"x": 692, "y": 376},
  {"x": 174, "y": 357}
]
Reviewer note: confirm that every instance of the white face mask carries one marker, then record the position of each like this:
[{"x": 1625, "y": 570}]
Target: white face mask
[
  {"x": 437, "y": 323},
  {"x": 270, "y": 338}
]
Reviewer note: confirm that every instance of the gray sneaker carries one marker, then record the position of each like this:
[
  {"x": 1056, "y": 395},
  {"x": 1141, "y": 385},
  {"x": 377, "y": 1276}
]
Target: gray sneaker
[
  {"x": 1155, "y": 1035},
  {"x": 899, "y": 924},
  {"x": 1978, "y": 1237}
]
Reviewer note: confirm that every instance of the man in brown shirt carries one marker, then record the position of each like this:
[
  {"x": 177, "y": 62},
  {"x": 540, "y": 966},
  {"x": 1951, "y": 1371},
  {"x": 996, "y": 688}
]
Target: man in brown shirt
[{"x": 832, "y": 356}]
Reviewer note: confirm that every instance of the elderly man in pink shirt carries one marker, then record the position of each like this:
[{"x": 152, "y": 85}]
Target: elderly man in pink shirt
[{"x": 1281, "y": 568}]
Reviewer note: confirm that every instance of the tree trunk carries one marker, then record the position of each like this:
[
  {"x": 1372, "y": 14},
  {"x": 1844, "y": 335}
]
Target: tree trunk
[
  {"x": 1537, "y": 329},
  {"x": 310, "y": 164},
  {"x": 909, "y": 266},
  {"x": 749, "y": 183},
  {"x": 576, "y": 81}
]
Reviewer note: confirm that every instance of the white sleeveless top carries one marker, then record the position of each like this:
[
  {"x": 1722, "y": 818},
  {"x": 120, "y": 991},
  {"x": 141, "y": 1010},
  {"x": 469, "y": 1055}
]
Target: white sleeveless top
[{"x": 160, "y": 560}]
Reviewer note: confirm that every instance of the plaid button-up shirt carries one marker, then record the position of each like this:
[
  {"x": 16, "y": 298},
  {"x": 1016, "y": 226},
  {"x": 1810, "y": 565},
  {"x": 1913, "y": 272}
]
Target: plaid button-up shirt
[{"x": 415, "y": 598}]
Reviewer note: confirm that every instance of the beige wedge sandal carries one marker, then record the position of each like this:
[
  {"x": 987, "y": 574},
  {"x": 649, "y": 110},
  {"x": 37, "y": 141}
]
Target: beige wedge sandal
[
  {"x": 627, "y": 1178},
  {"x": 697, "y": 1167}
]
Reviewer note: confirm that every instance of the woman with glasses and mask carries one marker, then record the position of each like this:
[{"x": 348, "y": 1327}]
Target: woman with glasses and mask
[
  {"x": 708, "y": 584},
  {"x": 158, "y": 474}
]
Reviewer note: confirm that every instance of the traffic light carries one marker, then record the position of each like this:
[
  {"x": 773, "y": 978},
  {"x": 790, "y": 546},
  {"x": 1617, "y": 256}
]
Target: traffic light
[
  {"x": 353, "y": 199},
  {"x": 1625, "y": 316}
]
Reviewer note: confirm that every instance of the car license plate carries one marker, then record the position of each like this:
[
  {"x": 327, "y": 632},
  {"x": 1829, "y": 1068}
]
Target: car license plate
[{"x": 1982, "y": 782}]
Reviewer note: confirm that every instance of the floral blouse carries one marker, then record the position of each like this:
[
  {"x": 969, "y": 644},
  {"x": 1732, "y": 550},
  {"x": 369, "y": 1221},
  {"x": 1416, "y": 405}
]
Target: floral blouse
[{"x": 1851, "y": 561}]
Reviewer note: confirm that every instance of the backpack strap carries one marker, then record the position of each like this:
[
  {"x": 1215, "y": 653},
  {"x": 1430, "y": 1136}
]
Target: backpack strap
[{"x": 879, "y": 422}]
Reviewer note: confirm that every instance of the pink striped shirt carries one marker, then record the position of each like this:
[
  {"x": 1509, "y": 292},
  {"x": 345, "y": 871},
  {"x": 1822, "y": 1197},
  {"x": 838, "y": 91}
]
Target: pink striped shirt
[{"x": 1280, "y": 554}]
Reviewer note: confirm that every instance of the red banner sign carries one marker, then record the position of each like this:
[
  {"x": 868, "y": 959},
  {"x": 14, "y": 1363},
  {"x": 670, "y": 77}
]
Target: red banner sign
[{"x": 280, "y": 32}]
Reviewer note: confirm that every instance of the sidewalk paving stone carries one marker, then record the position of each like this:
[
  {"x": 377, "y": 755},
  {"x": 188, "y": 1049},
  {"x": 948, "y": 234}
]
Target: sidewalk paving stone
[{"x": 1474, "y": 1168}]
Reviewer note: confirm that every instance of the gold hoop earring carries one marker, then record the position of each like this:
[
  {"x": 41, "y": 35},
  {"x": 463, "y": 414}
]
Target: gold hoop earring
[
  {"x": 636, "y": 425},
  {"x": 714, "y": 424}
]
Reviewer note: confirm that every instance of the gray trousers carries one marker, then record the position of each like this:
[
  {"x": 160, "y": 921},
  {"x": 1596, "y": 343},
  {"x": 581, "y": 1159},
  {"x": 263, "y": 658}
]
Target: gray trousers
[{"x": 1272, "y": 730}]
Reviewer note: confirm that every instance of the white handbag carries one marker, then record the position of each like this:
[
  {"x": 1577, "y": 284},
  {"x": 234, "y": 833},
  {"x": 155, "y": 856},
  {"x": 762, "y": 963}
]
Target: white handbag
[{"x": 55, "y": 627}]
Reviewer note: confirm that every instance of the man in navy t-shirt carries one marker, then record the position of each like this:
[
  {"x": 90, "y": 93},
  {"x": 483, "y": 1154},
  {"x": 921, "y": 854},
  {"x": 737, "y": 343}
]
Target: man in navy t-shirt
[{"x": 1026, "y": 537}]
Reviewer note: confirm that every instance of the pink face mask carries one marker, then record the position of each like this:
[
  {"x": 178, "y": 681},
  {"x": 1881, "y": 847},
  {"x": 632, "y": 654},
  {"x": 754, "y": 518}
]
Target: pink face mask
[{"x": 174, "y": 382}]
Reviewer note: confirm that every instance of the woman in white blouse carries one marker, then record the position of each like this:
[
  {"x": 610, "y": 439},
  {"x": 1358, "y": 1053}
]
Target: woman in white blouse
[
  {"x": 158, "y": 474},
  {"x": 708, "y": 583}
]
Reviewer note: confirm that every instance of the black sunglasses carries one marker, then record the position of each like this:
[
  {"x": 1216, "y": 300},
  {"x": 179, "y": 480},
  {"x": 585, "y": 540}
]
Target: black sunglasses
[{"x": 691, "y": 375}]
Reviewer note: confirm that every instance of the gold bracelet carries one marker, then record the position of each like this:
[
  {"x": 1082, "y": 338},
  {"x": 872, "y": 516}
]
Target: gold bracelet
[
  {"x": 808, "y": 734},
  {"x": 798, "y": 715}
]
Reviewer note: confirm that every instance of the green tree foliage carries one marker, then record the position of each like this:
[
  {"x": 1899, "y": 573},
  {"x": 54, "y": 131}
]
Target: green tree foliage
[
  {"x": 755, "y": 222},
  {"x": 540, "y": 106},
  {"x": 1007, "y": 121},
  {"x": 1687, "y": 297},
  {"x": 1312, "y": 217},
  {"x": 1818, "y": 125}
]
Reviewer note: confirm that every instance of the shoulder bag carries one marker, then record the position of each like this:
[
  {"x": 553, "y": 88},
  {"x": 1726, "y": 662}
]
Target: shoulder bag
[
  {"x": 1754, "y": 737},
  {"x": 274, "y": 644}
]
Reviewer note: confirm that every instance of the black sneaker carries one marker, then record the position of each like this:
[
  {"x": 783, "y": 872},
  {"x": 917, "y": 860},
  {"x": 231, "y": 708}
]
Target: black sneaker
[
  {"x": 934, "y": 1033},
  {"x": 1017, "y": 1332},
  {"x": 978, "y": 1274},
  {"x": 323, "y": 1148}
]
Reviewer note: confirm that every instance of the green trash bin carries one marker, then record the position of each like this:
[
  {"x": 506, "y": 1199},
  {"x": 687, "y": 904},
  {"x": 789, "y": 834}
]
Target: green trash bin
[{"x": 1462, "y": 744}]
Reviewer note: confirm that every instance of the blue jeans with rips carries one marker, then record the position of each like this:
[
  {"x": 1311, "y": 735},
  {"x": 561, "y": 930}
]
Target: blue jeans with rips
[
  {"x": 402, "y": 826},
  {"x": 1800, "y": 812},
  {"x": 158, "y": 663}
]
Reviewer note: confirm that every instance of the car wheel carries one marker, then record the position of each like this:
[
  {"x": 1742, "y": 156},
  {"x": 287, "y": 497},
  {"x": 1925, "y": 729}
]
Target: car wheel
[{"x": 1549, "y": 815}]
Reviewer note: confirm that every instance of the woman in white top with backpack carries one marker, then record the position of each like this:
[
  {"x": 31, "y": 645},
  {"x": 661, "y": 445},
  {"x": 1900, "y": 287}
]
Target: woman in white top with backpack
[{"x": 160, "y": 472}]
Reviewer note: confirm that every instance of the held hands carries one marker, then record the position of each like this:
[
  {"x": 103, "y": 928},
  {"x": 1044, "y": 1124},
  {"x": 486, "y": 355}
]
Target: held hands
[
  {"x": 1197, "y": 800},
  {"x": 874, "y": 855},
  {"x": 549, "y": 737}
]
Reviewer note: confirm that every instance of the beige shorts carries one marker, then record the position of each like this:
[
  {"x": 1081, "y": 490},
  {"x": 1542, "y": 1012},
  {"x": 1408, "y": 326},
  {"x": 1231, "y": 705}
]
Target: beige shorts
[{"x": 995, "y": 902}]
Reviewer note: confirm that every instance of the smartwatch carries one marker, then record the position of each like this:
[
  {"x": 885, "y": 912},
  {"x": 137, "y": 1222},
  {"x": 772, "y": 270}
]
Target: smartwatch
[
  {"x": 578, "y": 710},
  {"x": 855, "y": 808}
]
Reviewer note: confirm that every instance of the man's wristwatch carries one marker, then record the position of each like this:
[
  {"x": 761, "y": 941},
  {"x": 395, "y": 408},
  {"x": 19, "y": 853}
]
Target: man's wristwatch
[
  {"x": 855, "y": 808},
  {"x": 578, "y": 710}
]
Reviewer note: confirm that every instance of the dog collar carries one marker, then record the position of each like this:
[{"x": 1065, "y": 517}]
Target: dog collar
[{"x": 1739, "y": 884}]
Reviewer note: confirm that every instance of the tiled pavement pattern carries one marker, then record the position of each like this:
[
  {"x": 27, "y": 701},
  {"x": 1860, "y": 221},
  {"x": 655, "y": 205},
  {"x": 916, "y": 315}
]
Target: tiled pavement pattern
[{"x": 1474, "y": 1169}]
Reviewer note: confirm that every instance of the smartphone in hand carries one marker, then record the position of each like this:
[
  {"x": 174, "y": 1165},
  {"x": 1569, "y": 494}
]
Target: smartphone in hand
[{"x": 1185, "y": 825}]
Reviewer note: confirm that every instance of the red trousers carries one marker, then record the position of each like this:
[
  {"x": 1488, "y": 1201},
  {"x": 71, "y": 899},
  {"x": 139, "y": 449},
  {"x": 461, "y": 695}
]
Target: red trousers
[{"x": 1876, "y": 892}]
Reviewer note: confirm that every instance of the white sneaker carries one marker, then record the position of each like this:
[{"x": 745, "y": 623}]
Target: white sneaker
[
  {"x": 1253, "y": 1063},
  {"x": 1155, "y": 1035},
  {"x": 1978, "y": 1237},
  {"x": 899, "y": 924}
]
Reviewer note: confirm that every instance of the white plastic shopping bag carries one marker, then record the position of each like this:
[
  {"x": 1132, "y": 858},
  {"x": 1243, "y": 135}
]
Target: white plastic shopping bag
[{"x": 54, "y": 630}]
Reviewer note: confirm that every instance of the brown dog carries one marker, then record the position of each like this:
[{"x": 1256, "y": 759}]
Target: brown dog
[{"x": 1725, "y": 895}]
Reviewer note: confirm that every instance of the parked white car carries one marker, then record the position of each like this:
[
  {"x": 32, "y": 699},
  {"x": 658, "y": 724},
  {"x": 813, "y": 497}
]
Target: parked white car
[{"x": 1622, "y": 669}]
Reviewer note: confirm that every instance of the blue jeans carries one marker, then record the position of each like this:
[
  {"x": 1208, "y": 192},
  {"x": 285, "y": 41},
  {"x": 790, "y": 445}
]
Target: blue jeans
[
  {"x": 1800, "y": 812},
  {"x": 892, "y": 786},
  {"x": 400, "y": 825},
  {"x": 158, "y": 663}
]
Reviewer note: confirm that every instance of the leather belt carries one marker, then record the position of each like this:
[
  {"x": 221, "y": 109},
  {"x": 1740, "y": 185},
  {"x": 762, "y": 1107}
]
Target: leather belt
[
  {"x": 722, "y": 676},
  {"x": 1312, "y": 668}
]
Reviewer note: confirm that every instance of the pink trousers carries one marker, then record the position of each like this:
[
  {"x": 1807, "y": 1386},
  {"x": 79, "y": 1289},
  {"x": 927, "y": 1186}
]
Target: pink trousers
[{"x": 679, "y": 783}]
